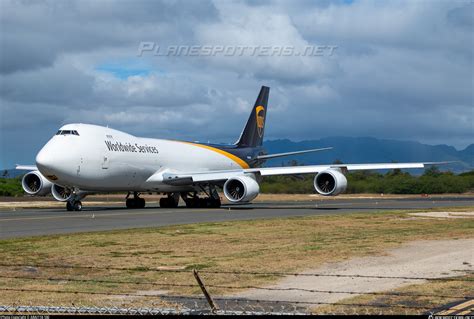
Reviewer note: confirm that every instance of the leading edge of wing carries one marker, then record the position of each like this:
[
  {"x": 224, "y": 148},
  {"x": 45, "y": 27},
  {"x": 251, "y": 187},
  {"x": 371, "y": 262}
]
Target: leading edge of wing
[
  {"x": 26, "y": 167},
  {"x": 267, "y": 171},
  {"x": 186, "y": 178}
]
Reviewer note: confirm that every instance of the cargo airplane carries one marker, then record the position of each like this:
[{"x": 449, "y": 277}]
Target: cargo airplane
[{"x": 81, "y": 159}]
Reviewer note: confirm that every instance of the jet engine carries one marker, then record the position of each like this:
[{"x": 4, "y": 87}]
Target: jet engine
[
  {"x": 241, "y": 189},
  {"x": 34, "y": 183},
  {"x": 330, "y": 182},
  {"x": 61, "y": 193}
]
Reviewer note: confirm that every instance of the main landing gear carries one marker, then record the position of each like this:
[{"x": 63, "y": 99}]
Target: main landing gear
[
  {"x": 211, "y": 201},
  {"x": 171, "y": 201},
  {"x": 135, "y": 202}
]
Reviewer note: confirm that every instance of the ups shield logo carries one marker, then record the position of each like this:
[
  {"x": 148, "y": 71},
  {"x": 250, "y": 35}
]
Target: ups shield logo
[{"x": 260, "y": 114}]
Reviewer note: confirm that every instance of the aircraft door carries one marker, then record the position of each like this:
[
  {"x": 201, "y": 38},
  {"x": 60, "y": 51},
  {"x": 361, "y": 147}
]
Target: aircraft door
[
  {"x": 78, "y": 171},
  {"x": 105, "y": 161}
]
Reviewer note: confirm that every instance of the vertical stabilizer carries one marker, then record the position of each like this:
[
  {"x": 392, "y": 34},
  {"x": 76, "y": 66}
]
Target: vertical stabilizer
[{"x": 252, "y": 135}]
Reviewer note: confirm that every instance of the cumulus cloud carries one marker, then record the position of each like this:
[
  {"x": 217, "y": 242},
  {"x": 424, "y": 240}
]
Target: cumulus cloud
[
  {"x": 251, "y": 26},
  {"x": 402, "y": 70}
]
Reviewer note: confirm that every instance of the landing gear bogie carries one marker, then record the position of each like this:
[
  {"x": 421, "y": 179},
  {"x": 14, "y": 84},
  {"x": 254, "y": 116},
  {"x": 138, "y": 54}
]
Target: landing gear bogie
[
  {"x": 201, "y": 202},
  {"x": 135, "y": 202},
  {"x": 171, "y": 201}
]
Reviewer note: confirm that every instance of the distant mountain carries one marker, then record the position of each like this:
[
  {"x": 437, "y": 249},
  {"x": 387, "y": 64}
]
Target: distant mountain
[
  {"x": 10, "y": 173},
  {"x": 371, "y": 150}
]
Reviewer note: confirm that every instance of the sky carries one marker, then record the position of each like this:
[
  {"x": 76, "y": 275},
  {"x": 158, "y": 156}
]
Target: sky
[{"x": 389, "y": 69}]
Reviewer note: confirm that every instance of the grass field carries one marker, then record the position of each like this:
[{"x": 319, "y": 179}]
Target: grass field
[{"x": 274, "y": 245}]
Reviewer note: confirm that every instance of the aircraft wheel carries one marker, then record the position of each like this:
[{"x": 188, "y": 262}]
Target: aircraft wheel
[
  {"x": 130, "y": 203},
  {"x": 77, "y": 206},
  {"x": 203, "y": 203},
  {"x": 141, "y": 203},
  {"x": 215, "y": 203},
  {"x": 172, "y": 202},
  {"x": 164, "y": 202},
  {"x": 69, "y": 206},
  {"x": 168, "y": 202},
  {"x": 210, "y": 203}
]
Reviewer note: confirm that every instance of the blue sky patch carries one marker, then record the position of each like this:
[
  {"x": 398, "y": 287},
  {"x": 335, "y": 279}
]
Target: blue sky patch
[{"x": 123, "y": 70}]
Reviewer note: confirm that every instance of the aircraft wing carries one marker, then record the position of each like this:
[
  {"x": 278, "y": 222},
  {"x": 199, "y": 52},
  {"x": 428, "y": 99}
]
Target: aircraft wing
[
  {"x": 349, "y": 167},
  {"x": 26, "y": 167},
  {"x": 187, "y": 178}
]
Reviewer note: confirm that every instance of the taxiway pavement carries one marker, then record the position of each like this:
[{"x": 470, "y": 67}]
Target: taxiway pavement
[{"x": 35, "y": 222}]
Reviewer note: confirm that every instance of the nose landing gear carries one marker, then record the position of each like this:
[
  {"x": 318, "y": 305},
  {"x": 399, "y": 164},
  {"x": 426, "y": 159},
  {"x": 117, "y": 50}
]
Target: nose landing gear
[
  {"x": 135, "y": 202},
  {"x": 74, "y": 201},
  {"x": 74, "y": 205}
]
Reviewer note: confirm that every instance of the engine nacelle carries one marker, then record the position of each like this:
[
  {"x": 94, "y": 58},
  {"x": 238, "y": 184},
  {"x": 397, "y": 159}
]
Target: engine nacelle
[
  {"x": 61, "y": 193},
  {"x": 34, "y": 183},
  {"x": 241, "y": 189},
  {"x": 330, "y": 182}
]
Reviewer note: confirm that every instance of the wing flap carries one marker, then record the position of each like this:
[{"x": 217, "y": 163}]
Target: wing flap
[{"x": 189, "y": 178}]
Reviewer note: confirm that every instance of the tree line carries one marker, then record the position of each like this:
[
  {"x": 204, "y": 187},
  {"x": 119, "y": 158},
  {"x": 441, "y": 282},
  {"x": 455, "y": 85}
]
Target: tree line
[{"x": 432, "y": 181}]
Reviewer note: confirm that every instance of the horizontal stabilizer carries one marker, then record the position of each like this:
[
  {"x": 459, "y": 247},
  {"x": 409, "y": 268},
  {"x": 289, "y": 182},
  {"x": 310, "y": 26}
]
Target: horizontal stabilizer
[{"x": 293, "y": 153}]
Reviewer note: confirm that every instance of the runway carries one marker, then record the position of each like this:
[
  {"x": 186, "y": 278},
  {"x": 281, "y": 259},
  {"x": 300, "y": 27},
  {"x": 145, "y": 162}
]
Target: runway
[{"x": 36, "y": 222}]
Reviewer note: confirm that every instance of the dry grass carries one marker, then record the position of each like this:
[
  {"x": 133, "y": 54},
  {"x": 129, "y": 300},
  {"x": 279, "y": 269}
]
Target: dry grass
[
  {"x": 291, "y": 244},
  {"x": 435, "y": 288}
]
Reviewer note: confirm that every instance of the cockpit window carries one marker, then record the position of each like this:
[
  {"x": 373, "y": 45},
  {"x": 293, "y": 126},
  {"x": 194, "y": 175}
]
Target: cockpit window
[{"x": 67, "y": 132}]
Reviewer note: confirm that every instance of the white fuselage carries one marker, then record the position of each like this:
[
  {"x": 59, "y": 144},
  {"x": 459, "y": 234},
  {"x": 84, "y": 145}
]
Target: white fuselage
[{"x": 103, "y": 159}]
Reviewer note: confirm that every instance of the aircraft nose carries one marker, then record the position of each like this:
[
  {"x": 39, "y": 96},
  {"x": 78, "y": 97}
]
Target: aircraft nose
[
  {"x": 44, "y": 160},
  {"x": 56, "y": 160}
]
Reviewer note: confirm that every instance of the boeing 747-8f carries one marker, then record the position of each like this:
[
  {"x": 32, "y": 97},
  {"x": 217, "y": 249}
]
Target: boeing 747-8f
[{"x": 82, "y": 159}]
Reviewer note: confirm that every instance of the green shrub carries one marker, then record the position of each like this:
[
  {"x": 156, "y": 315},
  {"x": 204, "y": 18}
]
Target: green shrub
[{"x": 11, "y": 187}]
